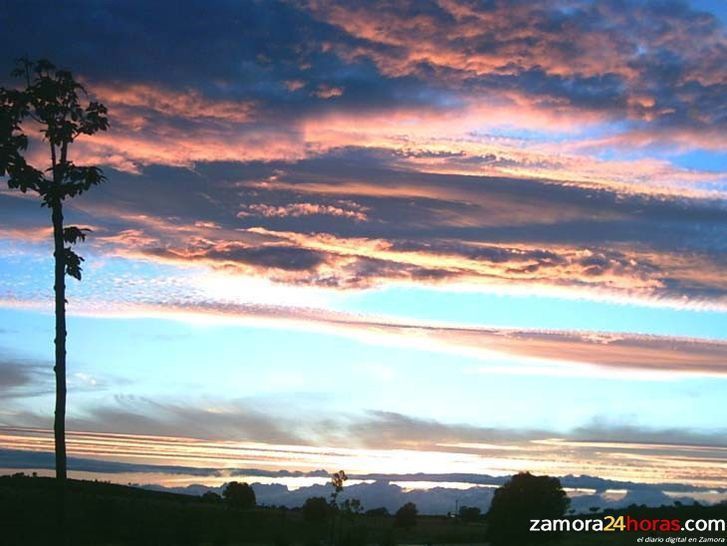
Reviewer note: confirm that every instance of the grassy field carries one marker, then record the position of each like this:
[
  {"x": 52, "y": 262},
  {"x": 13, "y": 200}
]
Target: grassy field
[{"x": 102, "y": 514}]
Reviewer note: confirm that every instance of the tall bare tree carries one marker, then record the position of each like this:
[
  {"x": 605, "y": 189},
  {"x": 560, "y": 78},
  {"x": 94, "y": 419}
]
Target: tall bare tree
[{"x": 52, "y": 102}]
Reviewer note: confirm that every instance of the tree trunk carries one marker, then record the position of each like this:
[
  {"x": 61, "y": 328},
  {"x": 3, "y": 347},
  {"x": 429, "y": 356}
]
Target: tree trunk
[{"x": 59, "y": 424}]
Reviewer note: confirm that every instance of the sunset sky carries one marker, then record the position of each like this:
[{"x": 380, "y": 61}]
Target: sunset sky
[{"x": 448, "y": 236}]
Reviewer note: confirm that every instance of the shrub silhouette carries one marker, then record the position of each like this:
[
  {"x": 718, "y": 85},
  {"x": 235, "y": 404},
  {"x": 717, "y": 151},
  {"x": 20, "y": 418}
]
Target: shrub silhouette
[
  {"x": 406, "y": 516},
  {"x": 239, "y": 495},
  {"x": 522, "y": 498},
  {"x": 212, "y": 497},
  {"x": 469, "y": 513},
  {"x": 381, "y": 511},
  {"x": 316, "y": 510}
]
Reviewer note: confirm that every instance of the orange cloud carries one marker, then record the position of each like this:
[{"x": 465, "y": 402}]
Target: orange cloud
[
  {"x": 155, "y": 126},
  {"x": 128, "y": 104},
  {"x": 488, "y": 47}
]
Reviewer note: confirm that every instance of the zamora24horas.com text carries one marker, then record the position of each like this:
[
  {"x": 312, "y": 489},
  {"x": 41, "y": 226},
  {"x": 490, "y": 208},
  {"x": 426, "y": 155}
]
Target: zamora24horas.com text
[{"x": 614, "y": 524}]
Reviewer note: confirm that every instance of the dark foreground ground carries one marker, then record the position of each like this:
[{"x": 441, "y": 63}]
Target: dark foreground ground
[{"x": 102, "y": 514}]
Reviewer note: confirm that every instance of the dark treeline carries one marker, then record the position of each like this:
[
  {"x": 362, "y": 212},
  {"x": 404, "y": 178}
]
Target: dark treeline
[{"x": 102, "y": 514}]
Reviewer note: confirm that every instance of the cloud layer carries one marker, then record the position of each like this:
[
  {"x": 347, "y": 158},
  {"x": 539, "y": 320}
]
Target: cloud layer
[
  {"x": 420, "y": 142},
  {"x": 332, "y": 222},
  {"x": 377, "y": 445}
]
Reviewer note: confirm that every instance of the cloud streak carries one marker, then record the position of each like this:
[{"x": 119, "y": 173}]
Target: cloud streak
[
  {"x": 371, "y": 446},
  {"x": 501, "y": 350},
  {"x": 617, "y": 353}
]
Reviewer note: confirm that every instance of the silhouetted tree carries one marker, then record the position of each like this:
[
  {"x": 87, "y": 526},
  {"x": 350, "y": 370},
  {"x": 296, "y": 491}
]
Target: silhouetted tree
[
  {"x": 406, "y": 516},
  {"x": 351, "y": 507},
  {"x": 54, "y": 103},
  {"x": 239, "y": 495},
  {"x": 380, "y": 511},
  {"x": 337, "y": 480},
  {"x": 316, "y": 510},
  {"x": 522, "y": 498},
  {"x": 469, "y": 513},
  {"x": 211, "y": 497},
  {"x": 348, "y": 535}
]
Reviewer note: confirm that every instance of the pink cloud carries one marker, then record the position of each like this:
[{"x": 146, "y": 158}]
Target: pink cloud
[
  {"x": 130, "y": 102},
  {"x": 328, "y": 92},
  {"x": 354, "y": 212}
]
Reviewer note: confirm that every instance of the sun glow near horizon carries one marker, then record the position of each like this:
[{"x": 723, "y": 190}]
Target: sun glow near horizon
[{"x": 216, "y": 461}]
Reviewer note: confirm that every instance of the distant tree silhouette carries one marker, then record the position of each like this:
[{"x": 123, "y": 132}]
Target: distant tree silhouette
[
  {"x": 351, "y": 507},
  {"x": 380, "y": 511},
  {"x": 316, "y": 510},
  {"x": 211, "y": 497},
  {"x": 337, "y": 481},
  {"x": 239, "y": 495},
  {"x": 406, "y": 516},
  {"x": 470, "y": 513},
  {"x": 522, "y": 498},
  {"x": 54, "y": 102}
]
